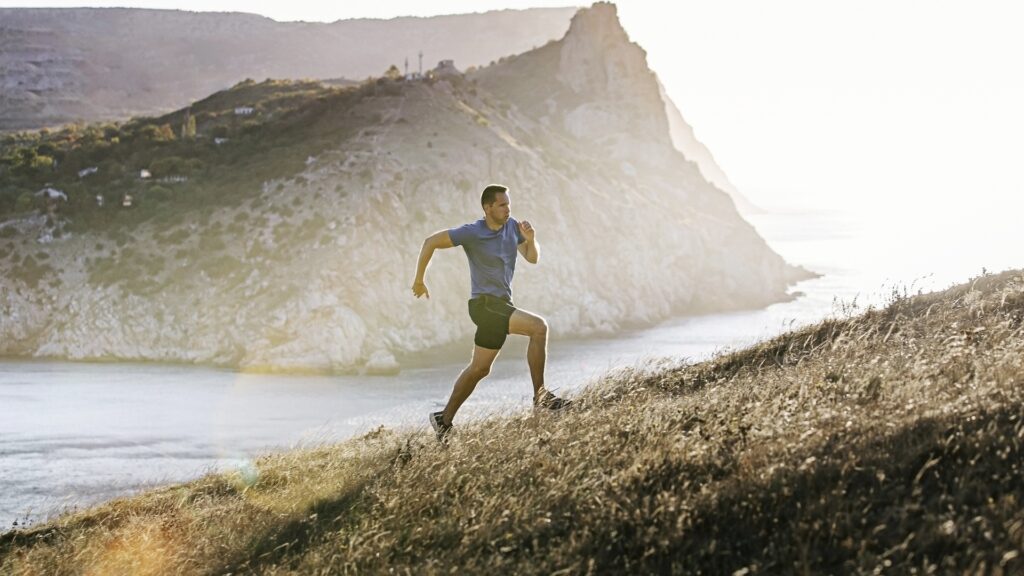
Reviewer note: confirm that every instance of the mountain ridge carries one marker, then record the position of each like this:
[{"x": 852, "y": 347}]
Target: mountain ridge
[{"x": 60, "y": 65}]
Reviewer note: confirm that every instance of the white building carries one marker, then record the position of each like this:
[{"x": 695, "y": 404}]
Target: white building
[
  {"x": 52, "y": 194},
  {"x": 244, "y": 111}
]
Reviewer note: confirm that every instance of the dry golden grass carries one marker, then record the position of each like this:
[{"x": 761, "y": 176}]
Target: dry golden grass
[{"x": 885, "y": 442}]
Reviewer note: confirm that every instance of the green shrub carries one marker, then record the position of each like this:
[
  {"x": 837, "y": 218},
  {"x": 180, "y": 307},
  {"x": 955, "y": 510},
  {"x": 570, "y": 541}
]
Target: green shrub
[
  {"x": 30, "y": 271},
  {"x": 153, "y": 266},
  {"x": 176, "y": 236},
  {"x": 159, "y": 193},
  {"x": 222, "y": 266},
  {"x": 104, "y": 271},
  {"x": 211, "y": 243},
  {"x": 25, "y": 202}
]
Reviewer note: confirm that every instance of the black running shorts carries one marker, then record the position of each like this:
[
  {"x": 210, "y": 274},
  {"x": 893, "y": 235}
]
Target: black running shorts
[{"x": 491, "y": 315}]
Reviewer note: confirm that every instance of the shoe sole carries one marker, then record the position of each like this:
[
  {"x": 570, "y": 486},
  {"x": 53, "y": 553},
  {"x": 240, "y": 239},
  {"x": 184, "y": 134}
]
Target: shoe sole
[
  {"x": 437, "y": 429},
  {"x": 552, "y": 410}
]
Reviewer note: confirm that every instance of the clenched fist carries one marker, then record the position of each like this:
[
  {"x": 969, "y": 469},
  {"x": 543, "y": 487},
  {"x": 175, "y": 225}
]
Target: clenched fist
[{"x": 527, "y": 230}]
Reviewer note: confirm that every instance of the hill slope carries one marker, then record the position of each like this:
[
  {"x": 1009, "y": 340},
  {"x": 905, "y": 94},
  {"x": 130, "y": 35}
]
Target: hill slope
[
  {"x": 292, "y": 244},
  {"x": 890, "y": 440}
]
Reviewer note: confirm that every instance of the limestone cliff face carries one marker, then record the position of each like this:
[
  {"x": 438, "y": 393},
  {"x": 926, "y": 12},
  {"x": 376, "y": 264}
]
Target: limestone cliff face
[
  {"x": 631, "y": 232},
  {"x": 599, "y": 63},
  {"x": 90, "y": 64}
]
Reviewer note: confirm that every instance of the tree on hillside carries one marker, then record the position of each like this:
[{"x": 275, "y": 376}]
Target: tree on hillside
[
  {"x": 188, "y": 128},
  {"x": 154, "y": 133},
  {"x": 393, "y": 73}
]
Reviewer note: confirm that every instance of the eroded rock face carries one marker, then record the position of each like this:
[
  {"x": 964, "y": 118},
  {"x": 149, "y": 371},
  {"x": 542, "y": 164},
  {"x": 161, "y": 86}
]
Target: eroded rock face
[
  {"x": 610, "y": 74},
  {"x": 630, "y": 231}
]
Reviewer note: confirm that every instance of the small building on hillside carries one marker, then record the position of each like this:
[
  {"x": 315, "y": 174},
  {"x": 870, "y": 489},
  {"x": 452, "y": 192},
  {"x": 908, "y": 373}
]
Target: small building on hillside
[
  {"x": 244, "y": 111},
  {"x": 446, "y": 68},
  {"x": 52, "y": 194}
]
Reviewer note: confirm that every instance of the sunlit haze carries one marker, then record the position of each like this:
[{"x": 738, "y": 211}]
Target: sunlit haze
[{"x": 905, "y": 110}]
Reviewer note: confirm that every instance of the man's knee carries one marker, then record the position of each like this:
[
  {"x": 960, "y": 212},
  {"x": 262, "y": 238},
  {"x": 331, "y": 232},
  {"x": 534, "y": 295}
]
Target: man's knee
[
  {"x": 479, "y": 371},
  {"x": 540, "y": 329}
]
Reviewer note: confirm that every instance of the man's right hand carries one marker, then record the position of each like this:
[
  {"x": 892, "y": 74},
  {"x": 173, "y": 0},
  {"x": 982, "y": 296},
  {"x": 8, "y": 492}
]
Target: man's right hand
[{"x": 420, "y": 289}]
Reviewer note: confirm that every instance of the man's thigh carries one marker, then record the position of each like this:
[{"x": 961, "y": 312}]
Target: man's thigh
[
  {"x": 483, "y": 357},
  {"x": 525, "y": 323}
]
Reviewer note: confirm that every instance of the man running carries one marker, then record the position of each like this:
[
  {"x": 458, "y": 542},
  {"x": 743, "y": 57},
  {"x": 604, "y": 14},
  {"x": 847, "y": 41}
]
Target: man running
[{"x": 490, "y": 244}]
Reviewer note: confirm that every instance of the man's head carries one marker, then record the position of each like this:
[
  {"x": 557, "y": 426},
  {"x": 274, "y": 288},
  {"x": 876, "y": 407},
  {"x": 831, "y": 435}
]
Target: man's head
[{"x": 495, "y": 202}]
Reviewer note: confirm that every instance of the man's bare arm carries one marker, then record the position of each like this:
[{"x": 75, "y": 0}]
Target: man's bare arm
[
  {"x": 439, "y": 239},
  {"x": 529, "y": 248}
]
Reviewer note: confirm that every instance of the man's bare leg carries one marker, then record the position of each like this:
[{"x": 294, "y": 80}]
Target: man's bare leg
[
  {"x": 479, "y": 367},
  {"x": 529, "y": 324}
]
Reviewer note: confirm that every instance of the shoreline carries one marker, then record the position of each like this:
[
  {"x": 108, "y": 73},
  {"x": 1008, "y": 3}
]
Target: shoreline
[{"x": 444, "y": 354}]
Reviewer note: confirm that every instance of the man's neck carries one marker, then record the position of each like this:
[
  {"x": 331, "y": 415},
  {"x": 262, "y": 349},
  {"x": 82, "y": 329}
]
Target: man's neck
[{"x": 492, "y": 224}]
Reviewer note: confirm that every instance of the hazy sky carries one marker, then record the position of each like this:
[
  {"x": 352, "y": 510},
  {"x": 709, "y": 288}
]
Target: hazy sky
[{"x": 913, "y": 105}]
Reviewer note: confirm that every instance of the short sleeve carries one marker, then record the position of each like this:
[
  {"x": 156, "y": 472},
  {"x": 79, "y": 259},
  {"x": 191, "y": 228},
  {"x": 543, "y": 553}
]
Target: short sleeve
[
  {"x": 461, "y": 235},
  {"x": 519, "y": 235}
]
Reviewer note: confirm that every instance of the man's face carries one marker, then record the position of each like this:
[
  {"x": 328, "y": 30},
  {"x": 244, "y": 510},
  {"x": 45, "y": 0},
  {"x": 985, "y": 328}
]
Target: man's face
[{"x": 500, "y": 210}]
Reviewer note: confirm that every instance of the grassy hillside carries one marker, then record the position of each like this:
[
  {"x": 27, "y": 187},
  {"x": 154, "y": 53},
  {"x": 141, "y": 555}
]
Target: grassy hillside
[
  {"x": 885, "y": 441},
  {"x": 290, "y": 120},
  {"x": 227, "y": 161}
]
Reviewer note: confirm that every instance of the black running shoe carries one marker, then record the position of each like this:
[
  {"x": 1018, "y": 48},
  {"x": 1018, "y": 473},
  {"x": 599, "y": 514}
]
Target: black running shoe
[
  {"x": 440, "y": 429},
  {"x": 549, "y": 401}
]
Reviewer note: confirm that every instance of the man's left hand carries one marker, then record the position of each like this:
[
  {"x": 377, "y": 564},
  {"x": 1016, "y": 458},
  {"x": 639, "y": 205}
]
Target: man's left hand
[{"x": 527, "y": 230}]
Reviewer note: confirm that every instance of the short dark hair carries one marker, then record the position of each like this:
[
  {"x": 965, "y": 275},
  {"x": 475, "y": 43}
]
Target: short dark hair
[{"x": 490, "y": 192}]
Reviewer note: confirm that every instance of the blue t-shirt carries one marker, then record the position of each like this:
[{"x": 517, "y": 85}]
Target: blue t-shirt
[{"x": 492, "y": 255}]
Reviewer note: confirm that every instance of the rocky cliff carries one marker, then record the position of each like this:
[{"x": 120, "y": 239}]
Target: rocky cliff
[{"x": 312, "y": 270}]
